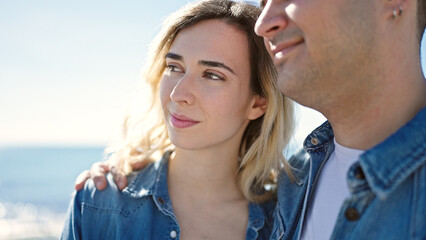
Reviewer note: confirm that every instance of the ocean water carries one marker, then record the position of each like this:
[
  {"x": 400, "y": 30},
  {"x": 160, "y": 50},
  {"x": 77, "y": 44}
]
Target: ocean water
[{"x": 36, "y": 185}]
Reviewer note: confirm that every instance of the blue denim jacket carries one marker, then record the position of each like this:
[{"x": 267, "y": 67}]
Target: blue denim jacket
[
  {"x": 142, "y": 211},
  {"x": 387, "y": 185}
]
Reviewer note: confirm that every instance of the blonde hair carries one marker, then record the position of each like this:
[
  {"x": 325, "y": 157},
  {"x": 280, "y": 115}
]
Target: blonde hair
[{"x": 264, "y": 139}]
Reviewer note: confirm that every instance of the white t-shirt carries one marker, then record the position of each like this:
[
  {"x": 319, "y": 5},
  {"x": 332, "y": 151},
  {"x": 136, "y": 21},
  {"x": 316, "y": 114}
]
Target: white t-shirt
[{"x": 331, "y": 191}]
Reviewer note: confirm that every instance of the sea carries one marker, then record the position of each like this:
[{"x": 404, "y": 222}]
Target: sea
[{"x": 36, "y": 185}]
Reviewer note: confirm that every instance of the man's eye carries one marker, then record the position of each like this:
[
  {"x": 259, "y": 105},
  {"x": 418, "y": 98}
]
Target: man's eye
[{"x": 213, "y": 76}]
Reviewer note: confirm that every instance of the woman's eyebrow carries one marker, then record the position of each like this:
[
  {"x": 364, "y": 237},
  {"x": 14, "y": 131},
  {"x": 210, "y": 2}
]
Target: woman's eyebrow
[
  {"x": 201, "y": 62},
  {"x": 215, "y": 64},
  {"x": 174, "y": 56}
]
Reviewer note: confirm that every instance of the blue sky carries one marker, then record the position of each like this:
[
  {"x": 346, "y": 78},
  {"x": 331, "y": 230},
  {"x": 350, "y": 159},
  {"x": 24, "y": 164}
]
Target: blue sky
[{"x": 69, "y": 70}]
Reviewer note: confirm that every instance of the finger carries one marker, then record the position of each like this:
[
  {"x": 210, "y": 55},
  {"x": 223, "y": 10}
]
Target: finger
[
  {"x": 81, "y": 179},
  {"x": 98, "y": 173},
  {"x": 119, "y": 177}
]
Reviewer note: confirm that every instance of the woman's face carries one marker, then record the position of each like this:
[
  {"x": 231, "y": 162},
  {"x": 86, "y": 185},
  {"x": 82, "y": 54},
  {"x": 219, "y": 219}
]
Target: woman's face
[{"x": 205, "y": 89}]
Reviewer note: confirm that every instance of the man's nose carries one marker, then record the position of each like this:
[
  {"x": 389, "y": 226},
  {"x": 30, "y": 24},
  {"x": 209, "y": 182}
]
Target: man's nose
[{"x": 272, "y": 20}]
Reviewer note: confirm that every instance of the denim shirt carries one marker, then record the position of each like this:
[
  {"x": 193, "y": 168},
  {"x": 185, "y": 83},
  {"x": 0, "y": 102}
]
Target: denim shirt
[
  {"x": 387, "y": 185},
  {"x": 143, "y": 210}
]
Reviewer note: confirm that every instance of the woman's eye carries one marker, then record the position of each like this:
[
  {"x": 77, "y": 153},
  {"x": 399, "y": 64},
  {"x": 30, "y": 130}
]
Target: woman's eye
[
  {"x": 213, "y": 76},
  {"x": 173, "y": 68}
]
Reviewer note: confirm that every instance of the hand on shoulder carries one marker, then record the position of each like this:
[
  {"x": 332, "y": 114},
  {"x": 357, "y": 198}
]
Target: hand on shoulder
[{"x": 98, "y": 173}]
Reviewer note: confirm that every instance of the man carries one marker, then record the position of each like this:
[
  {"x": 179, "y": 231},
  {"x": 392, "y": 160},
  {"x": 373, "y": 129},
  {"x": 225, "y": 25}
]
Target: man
[{"x": 358, "y": 63}]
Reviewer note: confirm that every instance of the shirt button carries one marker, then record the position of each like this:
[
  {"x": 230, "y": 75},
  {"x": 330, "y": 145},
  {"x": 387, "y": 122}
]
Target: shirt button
[
  {"x": 173, "y": 234},
  {"x": 352, "y": 214},
  {"x": 161, "y": 200},
  {"x": 314, "y": 141}
]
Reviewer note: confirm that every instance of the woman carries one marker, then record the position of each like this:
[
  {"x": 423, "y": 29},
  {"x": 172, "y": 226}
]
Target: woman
[{"x": 217, "y": 137}]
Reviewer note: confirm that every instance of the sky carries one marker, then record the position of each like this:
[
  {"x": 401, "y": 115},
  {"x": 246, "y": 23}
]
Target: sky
[{"x": 70, "y": 70}]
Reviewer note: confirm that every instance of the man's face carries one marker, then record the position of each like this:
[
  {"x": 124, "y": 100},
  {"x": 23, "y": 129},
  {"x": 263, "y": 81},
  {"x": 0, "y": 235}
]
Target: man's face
[{"x": 319, "y": 46}]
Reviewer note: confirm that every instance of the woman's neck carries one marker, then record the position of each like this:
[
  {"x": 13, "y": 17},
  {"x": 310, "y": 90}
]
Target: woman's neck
[
  {"x": 206, "y": 199},
  {"x": 205, "y": 174}
]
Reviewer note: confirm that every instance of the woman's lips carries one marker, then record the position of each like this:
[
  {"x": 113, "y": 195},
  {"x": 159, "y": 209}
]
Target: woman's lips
[{"x": 181, "y": 121}]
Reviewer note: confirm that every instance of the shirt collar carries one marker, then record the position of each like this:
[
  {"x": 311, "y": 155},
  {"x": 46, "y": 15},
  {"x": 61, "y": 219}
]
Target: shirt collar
[
  {"x": 389, "y": 163},
  {"x": 151, "y": 179},
  {"x": 320, "y": 136}
]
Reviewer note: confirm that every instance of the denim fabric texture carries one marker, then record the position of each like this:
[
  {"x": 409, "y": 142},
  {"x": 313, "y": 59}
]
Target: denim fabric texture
[
  {"x": 143, "y": 210},
  {"x": 387, "y": 185}
]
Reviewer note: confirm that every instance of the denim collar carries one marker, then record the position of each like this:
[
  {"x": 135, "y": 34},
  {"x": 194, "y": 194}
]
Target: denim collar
[
  {"x": 321, "y": 136},
  {"x": 389, "y": 163},
  {"x": 152, "y": 181},
  {"x": 149, "y": 180}
]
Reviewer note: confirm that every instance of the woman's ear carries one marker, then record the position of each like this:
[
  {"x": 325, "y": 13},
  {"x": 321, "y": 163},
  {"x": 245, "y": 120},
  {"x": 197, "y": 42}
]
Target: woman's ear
[{"x": 258, "y": 108}]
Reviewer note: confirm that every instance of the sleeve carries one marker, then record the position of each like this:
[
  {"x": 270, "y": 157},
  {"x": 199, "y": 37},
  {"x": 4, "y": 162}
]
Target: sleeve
[{"x": 72, "y": 226}]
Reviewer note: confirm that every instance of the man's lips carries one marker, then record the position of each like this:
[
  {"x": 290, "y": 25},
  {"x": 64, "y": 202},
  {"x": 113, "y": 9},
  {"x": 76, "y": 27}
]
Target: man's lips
[
  {"x": 280, "y": 51},
  {"x": 181, "y": 121}
]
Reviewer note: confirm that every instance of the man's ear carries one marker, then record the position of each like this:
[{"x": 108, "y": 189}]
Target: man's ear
[
  {"x": 393, "y": 9},
  {"x": 258, "y": 107}
]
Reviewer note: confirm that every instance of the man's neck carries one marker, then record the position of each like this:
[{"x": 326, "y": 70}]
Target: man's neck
[{"x": 383, "y": 112}]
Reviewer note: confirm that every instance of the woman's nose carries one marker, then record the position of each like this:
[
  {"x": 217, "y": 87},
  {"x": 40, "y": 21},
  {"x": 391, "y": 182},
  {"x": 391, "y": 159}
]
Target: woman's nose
[{"x": 183, "y": 91}]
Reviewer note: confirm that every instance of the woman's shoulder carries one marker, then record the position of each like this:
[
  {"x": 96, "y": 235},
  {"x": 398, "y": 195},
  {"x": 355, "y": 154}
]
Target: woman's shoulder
[
  {"x": 266, "y": 209},
  {"x": 91, "y": 196},
  {"x": 112, "y": 207},
  {"x": 141, "y": 184},
  {"x": 147, "y": 176},
  {"x": 261, "y": 219}
]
